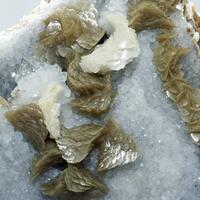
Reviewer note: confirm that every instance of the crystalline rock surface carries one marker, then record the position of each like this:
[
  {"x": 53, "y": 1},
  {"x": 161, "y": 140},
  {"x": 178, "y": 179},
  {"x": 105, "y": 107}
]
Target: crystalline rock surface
[{"x": 169, "y": 164}]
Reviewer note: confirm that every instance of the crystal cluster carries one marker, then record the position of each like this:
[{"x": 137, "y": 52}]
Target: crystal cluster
[{"x": 168, "y": 166}]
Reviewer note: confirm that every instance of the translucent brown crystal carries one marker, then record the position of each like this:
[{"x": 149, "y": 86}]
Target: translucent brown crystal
[
  {"x": 167, "y": 58},
  {"x": 67, "y": 30},
  {"x": 165, "y": 5},
  {"x": 81, "y": 82},
  {"x": 76, "y": 183},
  {"x": 29, "y": 120},
  {"x": 78, "y": 179},
  {"x": 72, "y": 24},
  {"x": 147, "y": 15},
  {"x": 77, "y": 142},
  {"x": 116, "y": 148},
  {"x": 95, "y": 104},
  {"x": 46, "y": 159}
]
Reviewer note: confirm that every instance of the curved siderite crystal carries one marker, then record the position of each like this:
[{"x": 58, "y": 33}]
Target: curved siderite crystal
[
  {"x": 29, "y": 120},
  {"x": 165, "y": 5},
  {"x": 66, "y": 28},
  {"x": 81, "y": 82},
  {"x": 166, "y": 36},
  {"x": 96, "y": 104},
  {"x": 77, "y": 142},
  {"x": 76, "y": 183},
  {"x": 116, "y": 148},
  {"x": 147, "y": 15},
  {"x": 91, "y": 32},
  {"x": 167, "y": 58},
  {"x": 68, "y": 25},
  {"x": 46, "y": 159},
  {"x": 79, "y": 180}
]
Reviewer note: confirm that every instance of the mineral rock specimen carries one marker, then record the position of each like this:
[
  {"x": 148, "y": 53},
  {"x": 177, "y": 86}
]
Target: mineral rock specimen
[{"x": 140, "y": 107}]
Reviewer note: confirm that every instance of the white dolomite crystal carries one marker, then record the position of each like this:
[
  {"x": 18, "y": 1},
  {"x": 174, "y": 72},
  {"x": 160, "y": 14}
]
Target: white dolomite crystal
[
  {"x": 119, "y": 50},
  {"x": 50, "y": 107}
]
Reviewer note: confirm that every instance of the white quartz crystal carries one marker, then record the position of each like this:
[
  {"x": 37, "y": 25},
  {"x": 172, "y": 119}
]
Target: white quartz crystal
[{"x": 119, "y": 50}]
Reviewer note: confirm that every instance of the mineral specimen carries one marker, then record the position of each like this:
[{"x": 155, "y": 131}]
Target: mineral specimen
[{"x": 140, "y": 106}]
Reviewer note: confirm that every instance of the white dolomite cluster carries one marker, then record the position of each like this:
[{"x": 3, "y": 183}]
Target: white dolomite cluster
[
  {"x": 119, "y": 50},
  {"x": 168, "y": 167}
]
